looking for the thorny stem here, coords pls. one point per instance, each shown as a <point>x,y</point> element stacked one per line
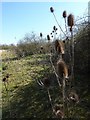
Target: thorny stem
<point>63,95</point>
<point>55,72</point>
<point>65,25</point>
<point>50,99</point>
<point>72,66</point>
<point>59,25</point>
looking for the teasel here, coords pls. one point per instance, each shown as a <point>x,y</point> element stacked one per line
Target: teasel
<point>64,14</point>
<point>54,27</point>
<point>51,9</point>
<point>48,37</point>
<point>70,20</point>
<point>71,24</point>
<point>40,34</point>
<point>51,33</point>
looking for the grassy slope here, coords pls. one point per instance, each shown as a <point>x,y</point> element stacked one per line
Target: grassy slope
<point>25,98</point>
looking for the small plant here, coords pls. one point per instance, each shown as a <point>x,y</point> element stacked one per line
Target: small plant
<point>48,38</point>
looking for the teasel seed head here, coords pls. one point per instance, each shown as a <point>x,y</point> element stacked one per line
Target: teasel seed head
<point>51,9</point>
<point>70,20</point>
<point>51,33</point>
<point>64,14</point>
<point>54,27</point>
<point>40,34</point>
<point>48,37</point>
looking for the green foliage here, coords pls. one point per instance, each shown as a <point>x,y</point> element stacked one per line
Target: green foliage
<point>82,51</point>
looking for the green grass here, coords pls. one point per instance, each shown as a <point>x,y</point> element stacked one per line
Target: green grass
<point>25,98</point>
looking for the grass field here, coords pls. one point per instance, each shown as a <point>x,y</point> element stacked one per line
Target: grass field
<point>25,98</point>
<point>22,97</point>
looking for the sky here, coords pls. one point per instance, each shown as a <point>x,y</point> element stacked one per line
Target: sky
<point>19,18</point>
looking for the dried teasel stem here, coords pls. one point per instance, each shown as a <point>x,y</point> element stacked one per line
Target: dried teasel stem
<point>70,21</point>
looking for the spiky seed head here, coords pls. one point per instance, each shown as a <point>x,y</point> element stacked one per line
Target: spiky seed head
<point>64,14</point>
<point>54,27</point>
<point>48,37</point>
<point>70,20</point>
<point>40,34</point>
<point>51,9</point>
